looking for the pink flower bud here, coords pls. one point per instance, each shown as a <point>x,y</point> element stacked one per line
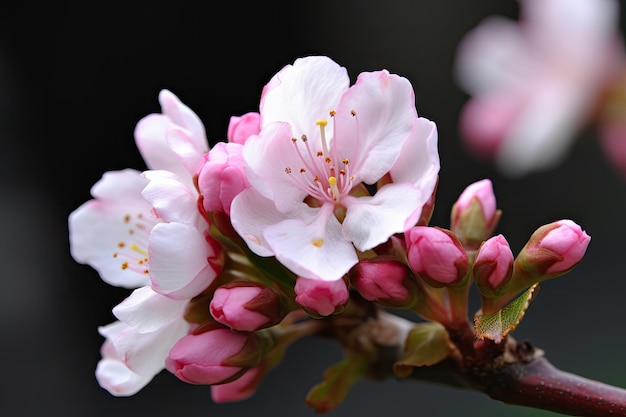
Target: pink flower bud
<point>493,266</point>
<point>239,389</point>
<point>246,306</point>
<point>552,250</point>
<point>319,297</point>
<point>436,255</point>
<point>474,215</point>
<point>200,358</point>
<point>241,128</point>
<point>386,281</point>
<point>222,176</point>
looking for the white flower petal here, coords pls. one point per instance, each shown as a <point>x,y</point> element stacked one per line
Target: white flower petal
<point>147,311</point>
<point>250,214</point>
<point>145,353</point>
<point>184,117</point>
<point>172,199</point>
<point>542,133</point>
<point>303,92</point>
<point>418,163</point>
<point>311,244</point>
<point>114,376</point>
<point>372,140</point>
<point>267,157</point>
<point>370,221</point>
<point>179,256</point>
<point>98,226</point>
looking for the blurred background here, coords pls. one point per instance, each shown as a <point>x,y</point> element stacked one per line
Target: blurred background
<point>76,78</point>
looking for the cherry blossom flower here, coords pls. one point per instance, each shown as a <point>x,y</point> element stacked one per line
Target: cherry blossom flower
<point>146,228</point>
<point>320,140</point>
<point>534,84</point>
<point>144,231</point>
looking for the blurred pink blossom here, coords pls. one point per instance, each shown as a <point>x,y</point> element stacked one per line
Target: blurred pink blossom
<point>535,83</point>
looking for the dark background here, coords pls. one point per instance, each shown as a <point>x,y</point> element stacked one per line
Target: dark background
<point>74,80</point>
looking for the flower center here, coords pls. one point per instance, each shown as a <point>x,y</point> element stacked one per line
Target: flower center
<point>133,253</point>
<point>324,175</point>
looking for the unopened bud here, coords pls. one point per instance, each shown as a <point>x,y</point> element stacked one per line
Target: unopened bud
<point>493,267</point>
<point>386,281</point>
<point>436,255</point>
<point>222,176</point>
<point>474,215</point>
<point>552,250</point>
<point>214,357</point>
<point>246,306</point>
<point>240,128</point>
<point>321,298</point>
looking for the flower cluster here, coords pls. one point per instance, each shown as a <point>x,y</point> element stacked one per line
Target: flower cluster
<point>317,207</point>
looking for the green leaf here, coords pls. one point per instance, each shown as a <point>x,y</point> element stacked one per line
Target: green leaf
<point>338,379</point>
<point>427,344</point>
<point>497,325</point>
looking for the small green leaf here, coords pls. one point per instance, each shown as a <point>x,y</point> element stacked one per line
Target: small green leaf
<point>497,325</point>
<point>427,344</point>
<point>338,379</point>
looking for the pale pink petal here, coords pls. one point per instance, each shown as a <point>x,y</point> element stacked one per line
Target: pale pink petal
<point>418,163</point>
<point>172,200</point>
<point>114,376</point>
<point>240,128</point>
<point>551,26</point>
<point>184,117</point>
<point>145,353</point>
<point>303,92</point>
<point>543,132</point>
<point>250,214</point>
<point>239,389</point>
<point>493,55</point>
<point>147,311</point>
<point>99,226</point>
<point>371,220</point>
<point>179,266</point>
<point>486,120</point>
<point>268,156</point>
<point>111,372</point>
<point>151,139</point>
<point>181,144</point>
<point>311,244</point>
<point>372,139</point>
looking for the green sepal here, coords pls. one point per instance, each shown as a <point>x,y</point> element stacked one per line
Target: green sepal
<point>497,325</point>
<point>426,344</point>
<point>338,379</point>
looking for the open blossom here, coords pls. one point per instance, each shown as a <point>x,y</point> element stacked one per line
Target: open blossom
<point>535,84</point>
<point>146,228</point>
<point>144,231</point>
<point>137,345</point>
<point>320,140</point>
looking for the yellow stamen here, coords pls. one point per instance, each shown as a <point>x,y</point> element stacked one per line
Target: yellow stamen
<point>322,124</point>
